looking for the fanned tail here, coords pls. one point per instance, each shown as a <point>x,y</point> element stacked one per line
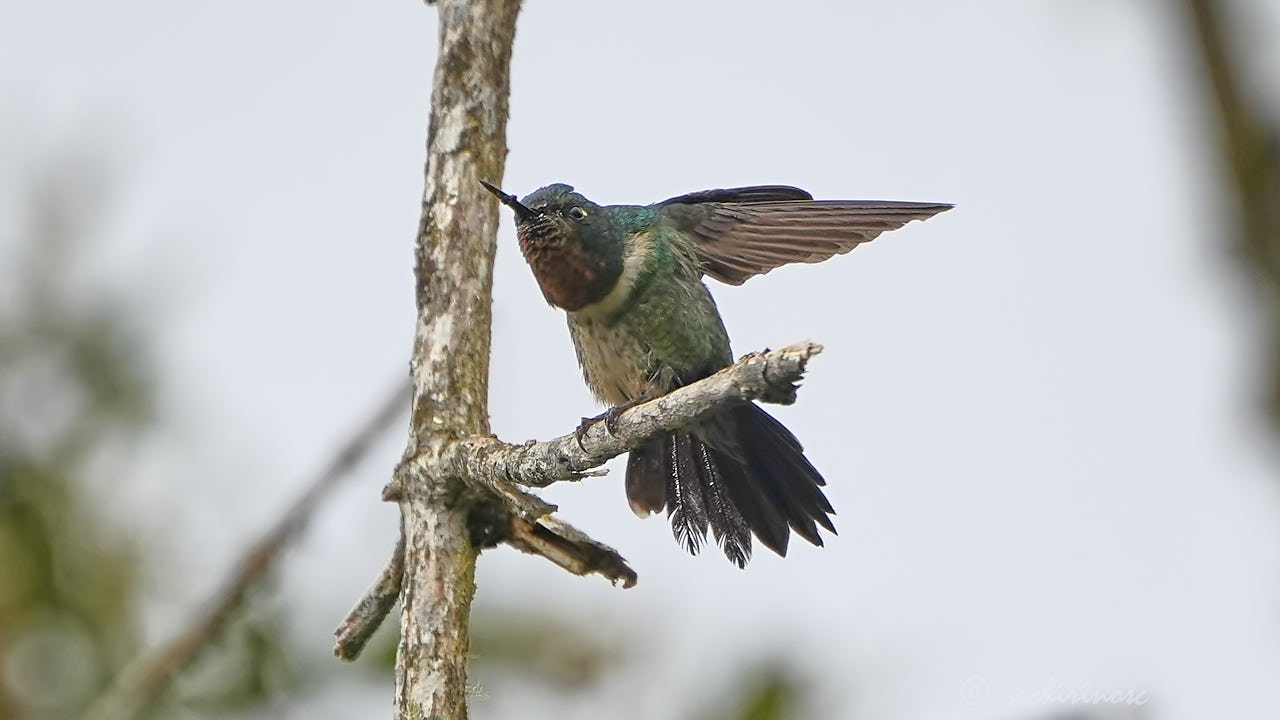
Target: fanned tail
<point>739,472</point>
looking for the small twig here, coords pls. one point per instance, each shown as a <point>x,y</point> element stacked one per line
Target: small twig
<point>570,548</point>
<point>149,675</point>
<point>365,618</point>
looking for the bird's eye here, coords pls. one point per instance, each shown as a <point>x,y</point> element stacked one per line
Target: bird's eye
<point>577,213</point>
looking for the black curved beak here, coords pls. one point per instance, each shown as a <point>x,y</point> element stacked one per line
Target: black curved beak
<point>522,212</point>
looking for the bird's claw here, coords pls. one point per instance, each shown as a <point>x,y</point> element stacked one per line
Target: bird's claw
<point>610,418</point>
<point>586,423</point>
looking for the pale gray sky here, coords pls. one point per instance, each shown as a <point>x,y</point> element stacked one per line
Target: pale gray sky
<point>1036,412</point>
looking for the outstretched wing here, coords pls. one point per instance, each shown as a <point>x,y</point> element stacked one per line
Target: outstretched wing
<point>745,232</point>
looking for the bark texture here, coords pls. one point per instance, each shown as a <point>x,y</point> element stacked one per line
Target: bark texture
<point>770,375</point>
<point>466,141</point>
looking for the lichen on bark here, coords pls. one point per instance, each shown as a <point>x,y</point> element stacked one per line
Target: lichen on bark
<point>466,141</point>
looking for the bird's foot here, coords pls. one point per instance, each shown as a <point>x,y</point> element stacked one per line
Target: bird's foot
<point>582,428</point>
<point>610,418</point>
<point>612,414</point>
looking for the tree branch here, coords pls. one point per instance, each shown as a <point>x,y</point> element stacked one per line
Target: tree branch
<point>569,548</point>
<point>770,375</point>
<point>456,243</point>
<point>508,514</point>
<point>365,618</point>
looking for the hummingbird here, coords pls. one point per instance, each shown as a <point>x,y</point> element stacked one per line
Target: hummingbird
<point>643,323</point>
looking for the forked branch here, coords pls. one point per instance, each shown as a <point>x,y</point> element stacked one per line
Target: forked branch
<point>507,514</point>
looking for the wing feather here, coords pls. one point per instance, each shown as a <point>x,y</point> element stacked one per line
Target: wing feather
<point>738,240</point>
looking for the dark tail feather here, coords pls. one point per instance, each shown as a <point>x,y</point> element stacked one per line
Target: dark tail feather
<point>760,511</point>
<point>684,492</point>
<point>647,478</point>
<point>775,487</point>
<point>679,472</point>
<point>796,483</point>
<point>739,472</point>
<point>727,524</point>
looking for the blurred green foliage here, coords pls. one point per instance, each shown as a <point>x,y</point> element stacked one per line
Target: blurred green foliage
<point>76,396</point>
<point>555,651</point>
<point>72,385</point>
<point>771,691</point>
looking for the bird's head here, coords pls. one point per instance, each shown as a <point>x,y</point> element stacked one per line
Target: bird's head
<point>571,244</point>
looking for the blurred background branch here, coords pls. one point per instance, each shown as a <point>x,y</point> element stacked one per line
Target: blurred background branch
<point>77,395</point>
<point>1249,143</point>
<point>150,675</point>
